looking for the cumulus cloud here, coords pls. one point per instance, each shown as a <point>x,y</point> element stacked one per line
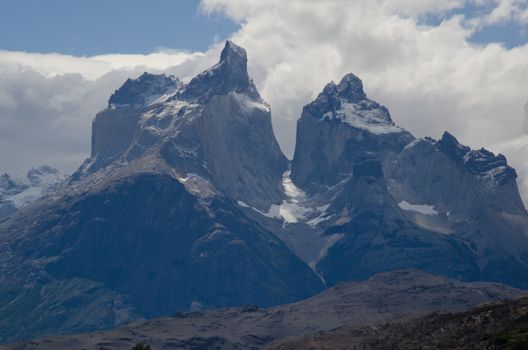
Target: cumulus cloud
<point>48,101</point>
<point>507,11</point>
<point>46,120</point>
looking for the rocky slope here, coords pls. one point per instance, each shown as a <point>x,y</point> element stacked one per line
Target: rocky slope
<point>386,297</point>
<point>499,325</point>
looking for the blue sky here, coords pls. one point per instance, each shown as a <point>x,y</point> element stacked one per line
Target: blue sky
<point>509,33</point>
<point>139,26</point>
<point>108,26</point>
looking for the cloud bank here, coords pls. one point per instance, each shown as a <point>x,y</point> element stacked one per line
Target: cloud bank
<point>48,101</point>
<point>426,71</point>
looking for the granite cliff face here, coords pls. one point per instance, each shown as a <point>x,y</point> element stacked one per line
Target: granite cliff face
<point>187,202</point>
<point>217,126</point>
<point>340,124</point>
<point>114,128</point>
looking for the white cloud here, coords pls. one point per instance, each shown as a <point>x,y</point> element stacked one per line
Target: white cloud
<point>508,10</point>
<point>93,67</point>
<point>48,101</point>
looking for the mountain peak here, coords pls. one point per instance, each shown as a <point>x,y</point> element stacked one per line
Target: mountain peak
<point>230,74</point>
<point>351,88</point>
<point>347,102</point>
<point>233,53</point>
<point>479,162</point>
<point>143,90</point>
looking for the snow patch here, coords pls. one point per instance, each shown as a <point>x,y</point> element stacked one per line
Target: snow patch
<point>290,210</point>
<point>243,205</point>
<point>366,115</point>
<point>419,208</point>
<point>294,209</point>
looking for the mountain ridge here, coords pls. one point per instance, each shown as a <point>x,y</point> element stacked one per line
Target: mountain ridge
<point>188,194</point>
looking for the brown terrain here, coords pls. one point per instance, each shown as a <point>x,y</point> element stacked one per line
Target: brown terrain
<point>388,297</point>
<point>497,325</point>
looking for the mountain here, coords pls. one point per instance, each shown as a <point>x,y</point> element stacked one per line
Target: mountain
<point>216,126</point>
<point>387,297</point>
<point>187,202</point>
<point>396,201</point>
<point>17,192</point>
<point>148,224</point>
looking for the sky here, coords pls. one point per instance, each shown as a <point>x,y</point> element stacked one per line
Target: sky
<point>456,65</point>
<point>97,27</point>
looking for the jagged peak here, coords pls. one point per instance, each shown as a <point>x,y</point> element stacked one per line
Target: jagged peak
<point>351,88</point>
<point>230,74</point>
<point>450,146</point>
<point>233,53</point>
<point>479,162</point>
<point>330,89</point>
<point>348,103</point>
<point>143,90</point>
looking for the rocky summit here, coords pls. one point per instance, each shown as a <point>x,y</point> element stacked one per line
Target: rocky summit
<point>187,203</point>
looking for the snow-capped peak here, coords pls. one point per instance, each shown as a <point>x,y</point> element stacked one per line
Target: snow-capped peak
<point>228,75</point>
<point>144,90</point>
<point>351,88</point>
<point>232,51</point>
<point>348,103</point>
<point>480,162</point>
